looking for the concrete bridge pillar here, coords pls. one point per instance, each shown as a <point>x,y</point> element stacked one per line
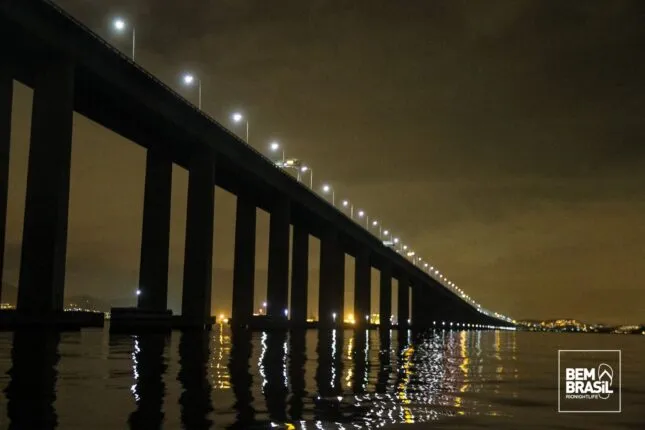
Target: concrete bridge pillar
<point>6,100</point>
<point>420,305</point>
<point>244,260</point>
<point>198,255</point>
<point>155,234</point>
<point>44,239</point>
<point>362,287</point>
<point>332,275</point>
<point>403,313</point>
<point>299,274</point>
<point>278,275</point>
<point>385,296</point>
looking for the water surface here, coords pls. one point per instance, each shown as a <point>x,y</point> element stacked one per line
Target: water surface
<point>316,379</point>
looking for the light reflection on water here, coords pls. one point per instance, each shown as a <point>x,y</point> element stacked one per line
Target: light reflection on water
<point>331,379</point>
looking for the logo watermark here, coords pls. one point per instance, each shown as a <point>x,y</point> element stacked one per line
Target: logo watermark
<point>589,381</point>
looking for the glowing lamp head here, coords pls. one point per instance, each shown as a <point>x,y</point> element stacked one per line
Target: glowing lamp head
<point>274,145</point>
<point>396,240</point>
<point>237,117</point>
<point>361,214</point>
<point>119,24</point>
<point>138,292</point>
<point>326,188</point>
<point>304,169</point>
<point>374,222</point>
<point>189,79</point>
<point>345,203</point>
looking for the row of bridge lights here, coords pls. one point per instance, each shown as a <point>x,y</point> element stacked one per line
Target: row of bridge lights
<point>385,235</point>
<point>470,325</point>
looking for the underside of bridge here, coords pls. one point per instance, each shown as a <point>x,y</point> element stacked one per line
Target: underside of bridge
<point>71,69</point>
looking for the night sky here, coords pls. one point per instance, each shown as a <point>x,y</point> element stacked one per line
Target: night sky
<point>504,141</point>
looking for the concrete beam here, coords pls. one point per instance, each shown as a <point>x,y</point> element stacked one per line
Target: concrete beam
<point>403,313</point>
<point>299,274</point>
<point>385,296</point>
<point>6,101</point>
<point>198,255</point>
<point>244,261</point>
<point>278,273</point>
<point>155,233</point>
<point>44,239</point>
<point>362,287</point>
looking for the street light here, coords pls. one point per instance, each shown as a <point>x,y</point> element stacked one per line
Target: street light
<point>238,117</point>
<point>327,189</point>
<point>189,80</point>
<point>275,147</point>
<point>361,214</point>
<point>333,315</point>
<point>347,203</point>
<point>120,25</point>
<point>380,231</point>
<point>305,169</point>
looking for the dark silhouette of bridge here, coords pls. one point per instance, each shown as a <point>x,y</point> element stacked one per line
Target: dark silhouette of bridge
<point>72,69</point>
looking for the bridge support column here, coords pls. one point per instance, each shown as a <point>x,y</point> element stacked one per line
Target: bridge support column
<point>403,313</point>
<point>6,101</point>
<point>155,234</point>
<point>244,261</point>
<point>385,296</point>
<point>331,285</point>
<point>420,309</point>
<point>198,255</point>
<point>278,275</point>
<point>299,274</point>
<point>44,239</point>
<point>362,287</point>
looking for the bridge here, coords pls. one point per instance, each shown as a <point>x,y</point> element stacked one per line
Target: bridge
<point>71,69</point>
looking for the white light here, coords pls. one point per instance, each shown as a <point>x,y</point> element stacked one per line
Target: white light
<point>189,79</point>
<point>119,24</point>
<point>409,320</point>
<point>361,214</point>
<point>237,117</point>
<point>345,203</point>
<point>138,292</point>
<point>333,315</point>
<point>396,240</point>
<point>405,246</point>
<point>304,168</point>
<point>386,232</point>
<point>264,304</point>
<point>425,264</point>
<point>326,188</point>
<point>286,312</point>
<point>274,146</point>
<point>374,222</point>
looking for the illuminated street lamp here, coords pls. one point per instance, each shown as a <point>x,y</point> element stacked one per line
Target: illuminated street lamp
<point>347,203</point>
<point>119,26</point>
<point>305,169</point>
<point>361,214</point>
<point>237,118</point>
<point>328,189</point>
<point>333,316</point>
<point>189,80</point>
<point>275,147</point>
<point>380,231</point>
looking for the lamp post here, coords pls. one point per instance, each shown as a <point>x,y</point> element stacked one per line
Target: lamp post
<point>328,189</point>
<point>238,117</point>
<point>305,169</point>
<point>275,146</point>
<point>361,214</point>
<point>347,203</point>
<point>120,25</point>
<point>376,223</point>
<point>189,79</point>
